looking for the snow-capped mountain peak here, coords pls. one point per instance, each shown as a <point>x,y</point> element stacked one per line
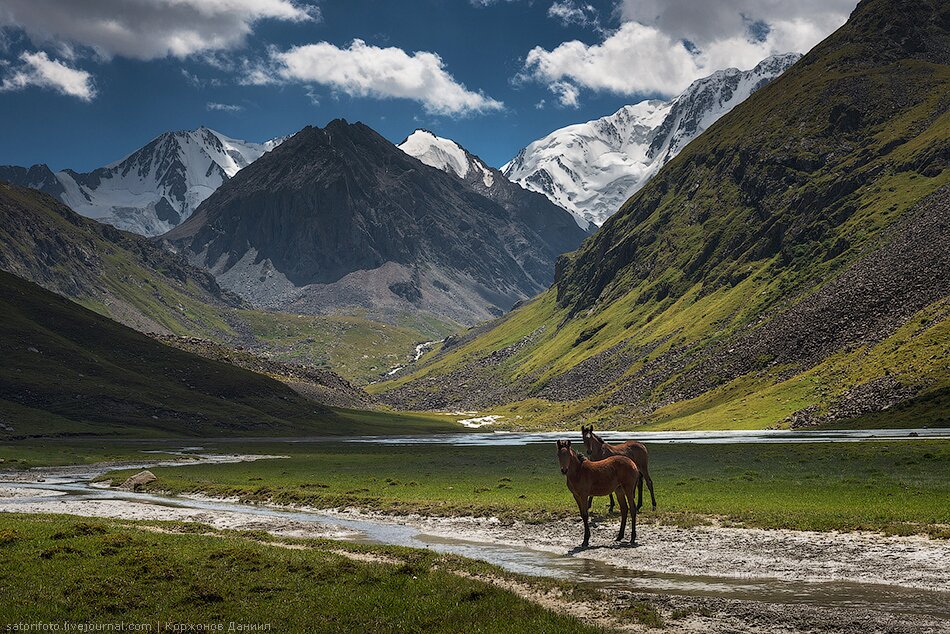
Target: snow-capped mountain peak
<point>450,157</point>
<point>446,155</point>
<point>591,168</point>
<point>156,187</point>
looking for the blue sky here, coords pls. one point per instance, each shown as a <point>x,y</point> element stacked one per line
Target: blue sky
<point>84,82</point>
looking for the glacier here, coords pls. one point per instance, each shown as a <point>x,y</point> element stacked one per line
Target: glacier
<point>590,169</point>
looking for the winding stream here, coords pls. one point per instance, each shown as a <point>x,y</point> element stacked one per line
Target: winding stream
<point>61,487</point>
<point>728,437</point>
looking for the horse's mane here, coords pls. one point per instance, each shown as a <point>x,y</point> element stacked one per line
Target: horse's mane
<point>581,457</point>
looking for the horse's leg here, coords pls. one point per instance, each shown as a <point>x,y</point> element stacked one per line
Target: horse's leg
<point>640,493</point>
<point>590,502</point>
<point>582,505</point>
<point>622,498</point>
<point>611,509</point>
<point>646,474</point>
<point>628,490</point>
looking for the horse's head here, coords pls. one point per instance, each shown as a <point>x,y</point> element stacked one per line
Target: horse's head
<point>564,454</point>
<point>587,431</point>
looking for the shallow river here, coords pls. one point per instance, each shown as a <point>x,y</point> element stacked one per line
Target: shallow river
<point>70,492</point>
<point>497,438</point>
<point>667,437</point>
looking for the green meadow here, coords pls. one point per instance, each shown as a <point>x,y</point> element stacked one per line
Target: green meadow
<point>899,487</point>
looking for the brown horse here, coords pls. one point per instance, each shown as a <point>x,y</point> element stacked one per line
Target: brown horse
<point>586,478</point>
<point>632,449</point>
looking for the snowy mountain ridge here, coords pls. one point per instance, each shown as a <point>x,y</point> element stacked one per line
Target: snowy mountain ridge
<point>446,155</point>
<point>590,169</point>
<point>154,188</point>
<point>450,157</point>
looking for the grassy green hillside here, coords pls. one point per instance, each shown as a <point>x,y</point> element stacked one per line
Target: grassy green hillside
<point>789,267</point>
<point>136,282</point>
<point>118,274</point>
<point>69,371</point>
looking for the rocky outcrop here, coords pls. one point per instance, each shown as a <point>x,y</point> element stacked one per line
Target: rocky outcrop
<point>867,398</point>
<point>473,385</point>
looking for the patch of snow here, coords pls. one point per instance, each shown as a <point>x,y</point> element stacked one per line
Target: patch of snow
<point>481,421</point>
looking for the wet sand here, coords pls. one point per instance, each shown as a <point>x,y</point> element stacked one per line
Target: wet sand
<point>742,553</point>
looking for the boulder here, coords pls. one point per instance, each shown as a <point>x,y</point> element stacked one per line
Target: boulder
<point>138,481</point>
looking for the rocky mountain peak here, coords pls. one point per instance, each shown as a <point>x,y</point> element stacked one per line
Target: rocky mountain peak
<point>338,218</point>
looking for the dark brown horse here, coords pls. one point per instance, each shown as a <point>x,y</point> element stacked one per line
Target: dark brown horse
<point>586,478</point>
<point>598,450</point>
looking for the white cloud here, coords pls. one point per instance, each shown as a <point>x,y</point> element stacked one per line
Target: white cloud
<point>715,20</point>
<point>368,71</point>
<point>146,29</point>
<point>567,93</point>
<point>570,12</point>
<point>663,45</point>
<point>224,107</point>
<point>37,69</point>
<point>191,78</point>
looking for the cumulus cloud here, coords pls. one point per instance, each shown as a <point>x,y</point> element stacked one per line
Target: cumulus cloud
<point>146,29</point>
<point>363,70</point>
<point>567,93</point>
<point>661,46</point>
<point>37,69</point>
